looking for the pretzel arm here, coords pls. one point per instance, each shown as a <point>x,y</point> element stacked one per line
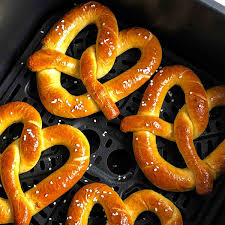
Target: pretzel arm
<point>52,59</point>
<point>183,130</point>
<point>94,87</point>
<point>21,208</point>
<point>160,172</point>
<point>146,123</point>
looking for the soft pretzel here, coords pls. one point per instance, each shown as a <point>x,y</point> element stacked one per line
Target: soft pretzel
<point>189,123</point>
<point>96,61</point>
<point>23,154</point>
<point>118,211</point>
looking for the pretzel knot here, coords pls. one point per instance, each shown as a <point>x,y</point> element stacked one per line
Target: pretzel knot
<point>23,154</point>
<point>118,211</point>
<point>189,123</point>
<point>95,62</point>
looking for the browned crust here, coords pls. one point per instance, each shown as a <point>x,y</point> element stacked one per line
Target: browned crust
<point>98,92</point>
<point>50,61</point>
<point>23,154</point>
<point>190,122</point>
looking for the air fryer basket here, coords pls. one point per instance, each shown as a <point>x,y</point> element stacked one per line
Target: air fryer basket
<point>112,160</point>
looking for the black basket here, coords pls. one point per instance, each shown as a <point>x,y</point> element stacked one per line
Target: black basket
<point>112,160</point>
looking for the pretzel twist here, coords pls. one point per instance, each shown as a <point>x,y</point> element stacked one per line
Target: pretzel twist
<point>96,61</point>
<point>23,154</point>
<point>118,211</point>
<point>189,123</point>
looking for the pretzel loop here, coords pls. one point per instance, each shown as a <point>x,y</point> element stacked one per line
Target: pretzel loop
<point>189,123</point>
<point>118,211</point>
<point>20,206</point>
<point>95,62</point>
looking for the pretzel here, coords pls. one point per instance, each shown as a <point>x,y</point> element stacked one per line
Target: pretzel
<point>23,154</point>
<point>189,123</point>
<point>118,211</point>
<point>95,62</point>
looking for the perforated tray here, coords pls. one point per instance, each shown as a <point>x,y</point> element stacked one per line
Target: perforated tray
<point>112,161</point>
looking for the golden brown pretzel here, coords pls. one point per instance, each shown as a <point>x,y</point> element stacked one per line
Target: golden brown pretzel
<point>118,211</point>
<point>190,122</point>
<point>23,154</point>
<point>95,62</point>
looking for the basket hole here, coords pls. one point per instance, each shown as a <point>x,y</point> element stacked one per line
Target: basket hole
<point>108,143</point>
<point>130,57</point>
<point>53,162</point>
<point>167,98</point>
<point>136,100</point>
<point>91,177</point>
<point>25,99</point>
<point>78,40</point>
<point>82,41</point>
<point>219,125</point>
<point>12,133</point>
<point>42,165</point>
<point>130,109</point>
<point>166,116</point>
<point>176,196</point>
<point>114,124</point>
<point>51,205</point>
<point>43,214</point>
<point>2,191</point>
<point>170,152</point>
<point>97,215</point>
<point>186,202</point>
<point>117,162</point>
<point>93,139</point>
<point>72,85</point>
<point>120,116</point>
<point>112,70</point>
<point>147,218</point>
<point>34,222</point>
<point>51,119</point>
<point>210,144</point>
<point>216,113</point>
<point>208,130</point>
<point>198,147</point>
<point>165,154</point>
<point>116,188</point>
<point>174,100</point>
<point>24,186</point>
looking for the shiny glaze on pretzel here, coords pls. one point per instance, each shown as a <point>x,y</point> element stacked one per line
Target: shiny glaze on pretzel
<point>118,211</point>
<point>189,123</point>
<point>96,61</point>
<point>23,154</point>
